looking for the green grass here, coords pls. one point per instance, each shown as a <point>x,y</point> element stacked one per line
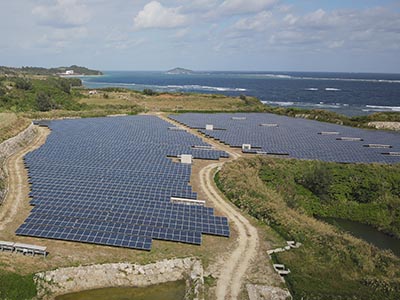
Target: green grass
<point>330,264</point>
<point>366,193</point>
<point>16,287</point>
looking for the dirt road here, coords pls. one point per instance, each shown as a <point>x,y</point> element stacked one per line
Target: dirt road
<point>235,265</point>
<point>15,169</point>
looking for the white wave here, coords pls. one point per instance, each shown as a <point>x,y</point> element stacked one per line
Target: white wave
<point>283,76</point>
<point>307,104</point>
<point>202,87</point>
<point>110,83</point>
<point>280,103</point>
<point>279,76</point>
<point>332,89</point>
<point>383,108</point>
<point>175,87</point>
<point>311,89</point>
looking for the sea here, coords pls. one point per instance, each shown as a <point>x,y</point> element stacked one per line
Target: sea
<point>351,94</point>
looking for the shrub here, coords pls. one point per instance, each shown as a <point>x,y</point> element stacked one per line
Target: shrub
<point>23,84</point>
<point>44,102</point>
<point>149,92</point>
<point>318,180</point>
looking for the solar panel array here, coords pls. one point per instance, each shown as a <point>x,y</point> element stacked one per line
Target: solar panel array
<point>110,181</point>
<point>297,137</point>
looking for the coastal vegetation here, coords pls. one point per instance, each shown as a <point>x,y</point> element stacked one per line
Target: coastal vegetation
<point>330,264</point>
<point>21,94</point>
<point>46,71</point>
<point>366,193</point>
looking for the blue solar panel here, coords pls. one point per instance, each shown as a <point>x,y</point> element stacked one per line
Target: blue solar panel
<point>109,181</point>
<point>296,137</point>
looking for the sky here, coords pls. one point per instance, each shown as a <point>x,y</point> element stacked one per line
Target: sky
<point>252,35</point>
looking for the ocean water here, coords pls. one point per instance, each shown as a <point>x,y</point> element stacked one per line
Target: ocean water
<point>345,93</point>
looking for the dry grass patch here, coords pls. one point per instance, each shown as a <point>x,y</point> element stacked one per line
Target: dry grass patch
<point>171,102</point>
<point>11,125</point>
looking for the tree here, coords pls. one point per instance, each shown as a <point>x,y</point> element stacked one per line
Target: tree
<point>149,92</point>
<point>65,85</point>
<point>75,81</point>
<point>318,180</point>
<point>2,91</point>
<point>44,102</point>
<point>23,84</point>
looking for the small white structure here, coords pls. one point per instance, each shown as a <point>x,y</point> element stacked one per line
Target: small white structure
<point>328,132</point>
<point>176,128</point>
<point>23,248</point>
<point>238,118</point>
<point>188,201</point>
<point>281,269</point>
<point>186,158</point>
<point>246,146</point>
<point>378,146</point>
<point>392,153</point>
<point>69,72</point>
<point>269,125</point>
<point>350,139</point>
<point>6,246</point>
<point>94,92</point>
<point>201,147</point>
<point>209,127</point>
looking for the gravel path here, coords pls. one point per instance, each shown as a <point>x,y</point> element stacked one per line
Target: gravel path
<point>14,168</point>
<point>237,262</point>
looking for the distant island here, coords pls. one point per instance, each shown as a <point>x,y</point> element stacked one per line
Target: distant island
<point>64,71</point>
<point>179,71</point>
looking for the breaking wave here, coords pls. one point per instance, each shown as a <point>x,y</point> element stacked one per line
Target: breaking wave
<point>202,87</point>
<point>380,108</point>
<point>307,104</point>
<point>285,76</point>
<point>192,87</point>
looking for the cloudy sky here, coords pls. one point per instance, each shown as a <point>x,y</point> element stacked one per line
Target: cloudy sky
<point>281,35</point>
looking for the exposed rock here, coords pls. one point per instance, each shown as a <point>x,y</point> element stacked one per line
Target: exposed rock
<point>385,125</point>
<point>264,292</point>
<point>13,145</point>
<point>73,279</point>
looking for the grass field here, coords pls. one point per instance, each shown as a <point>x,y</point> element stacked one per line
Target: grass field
<point>330,264</point>
<point>11,125</point>
<point>171,102</point>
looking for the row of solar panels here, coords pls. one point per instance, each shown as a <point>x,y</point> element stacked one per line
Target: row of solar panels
<point>110,181</point>
<point>296,137</point>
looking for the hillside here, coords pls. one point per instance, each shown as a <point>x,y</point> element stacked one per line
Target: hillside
<point>44,71</point>
<point>180,71</point>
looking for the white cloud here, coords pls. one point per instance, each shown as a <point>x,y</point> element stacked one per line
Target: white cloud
<point>181,33</point>
<point>245,6</point>
<point>259,22</point>
<point>155,15</point>
<point>349,30</point>
<point>198,6</point>
<point>63,13</point>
